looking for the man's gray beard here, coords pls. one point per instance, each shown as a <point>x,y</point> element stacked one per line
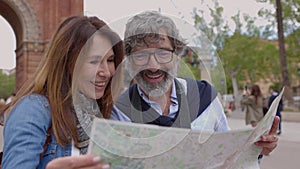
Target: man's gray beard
<point>154,89</point>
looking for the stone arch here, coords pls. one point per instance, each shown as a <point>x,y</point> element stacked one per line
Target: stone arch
<point>27,18</point>
<point>33,22</point>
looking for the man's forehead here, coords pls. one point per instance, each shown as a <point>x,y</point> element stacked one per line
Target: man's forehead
<point>160,42</point>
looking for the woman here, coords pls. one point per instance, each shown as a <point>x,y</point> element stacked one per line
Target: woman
<point>77,68</point>
<point>253,102</point>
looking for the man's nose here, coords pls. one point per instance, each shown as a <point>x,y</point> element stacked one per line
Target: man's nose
<point>152,61</point>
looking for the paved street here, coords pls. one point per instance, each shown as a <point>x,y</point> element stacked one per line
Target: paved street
<point>286,155</point>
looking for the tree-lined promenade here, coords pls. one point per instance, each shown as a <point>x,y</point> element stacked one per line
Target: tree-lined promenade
<point>249,53</point>
<point>268,54</point>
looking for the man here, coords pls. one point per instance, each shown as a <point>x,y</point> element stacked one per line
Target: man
<point>153,47</point>
<point>274,94</point>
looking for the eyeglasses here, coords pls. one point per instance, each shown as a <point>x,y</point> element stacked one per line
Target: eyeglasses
<point>161,56</point>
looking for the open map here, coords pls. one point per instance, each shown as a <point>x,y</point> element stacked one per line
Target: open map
<point>141,146</point>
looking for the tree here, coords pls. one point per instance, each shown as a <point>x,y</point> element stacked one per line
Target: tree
<point>282,53</point>
<point>244,58</point>
<point>248,56</point>
<point>293,53</point>
<point>7,85</point>
<point>215,31</point>
<point>286,19</point>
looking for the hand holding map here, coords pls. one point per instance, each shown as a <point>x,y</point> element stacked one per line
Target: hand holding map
<point>130,146</point>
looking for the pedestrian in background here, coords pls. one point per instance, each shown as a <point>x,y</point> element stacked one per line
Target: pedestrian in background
<point>266,103</point>
<point>274,94</point>
<point>10,98</point>
<point>2,104</point>
<point>252,101</point>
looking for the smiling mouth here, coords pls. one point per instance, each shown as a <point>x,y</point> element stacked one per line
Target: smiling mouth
<point>158,75</point>
<point>154,76</point>
<point>99,84</point>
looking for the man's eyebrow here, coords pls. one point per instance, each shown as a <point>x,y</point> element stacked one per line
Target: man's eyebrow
<point>147,49</point>
<point>162,38</point>
<point>164,48</point>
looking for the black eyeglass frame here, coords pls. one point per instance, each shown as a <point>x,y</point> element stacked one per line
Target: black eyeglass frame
<point>155,56</point>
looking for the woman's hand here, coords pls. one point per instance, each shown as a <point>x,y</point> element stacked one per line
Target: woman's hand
<point>245,92</point>
<point>78,162</point>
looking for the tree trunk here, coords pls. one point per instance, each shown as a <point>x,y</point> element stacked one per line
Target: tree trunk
<point>284,70</point>
<point>235,90</point>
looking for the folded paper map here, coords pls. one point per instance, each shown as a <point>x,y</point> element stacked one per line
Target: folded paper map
<point>142,146</point>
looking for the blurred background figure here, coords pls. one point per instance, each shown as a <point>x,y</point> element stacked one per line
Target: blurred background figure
<point>10,98</point>
<point>2,104</point>
<point>265,105</point>
<point>252,102</point>
<point>274,94</point>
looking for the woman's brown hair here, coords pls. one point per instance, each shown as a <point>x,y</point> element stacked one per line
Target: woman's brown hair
<point>256,92</point>
<point>54,75</point>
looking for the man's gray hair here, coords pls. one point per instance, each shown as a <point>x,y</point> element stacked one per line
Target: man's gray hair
<point>145,26</point>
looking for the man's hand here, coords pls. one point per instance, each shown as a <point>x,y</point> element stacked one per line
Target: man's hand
<point>269,142</point>
<point>78,162</point>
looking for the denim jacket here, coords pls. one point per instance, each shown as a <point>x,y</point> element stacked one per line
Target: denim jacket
<point>25,135</point>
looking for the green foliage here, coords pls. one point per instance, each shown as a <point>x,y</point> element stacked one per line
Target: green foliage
<point>195,70</point>
<point>290,13</point>
<point>276,86</point>
<point>293,53</point>
<point>217,29</point>
<point>293,43</point>
<point>7,85</point>
<point>248,56</point>
<point>251,55</point>
<point>188,70</point>
<point>219,80</point>
<point>290,20</point>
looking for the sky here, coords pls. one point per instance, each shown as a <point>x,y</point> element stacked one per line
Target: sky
<point>116,12</point>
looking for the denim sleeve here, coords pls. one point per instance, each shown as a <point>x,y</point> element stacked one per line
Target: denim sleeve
<point>25,132</point>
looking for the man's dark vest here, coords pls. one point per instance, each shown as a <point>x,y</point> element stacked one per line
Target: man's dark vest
<point>199,96</point>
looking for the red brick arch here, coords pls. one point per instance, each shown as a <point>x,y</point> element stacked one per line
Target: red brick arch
<point>33,22</point>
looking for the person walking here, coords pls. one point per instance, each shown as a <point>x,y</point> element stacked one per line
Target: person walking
<point>253,103</point>
<point>274,94</point>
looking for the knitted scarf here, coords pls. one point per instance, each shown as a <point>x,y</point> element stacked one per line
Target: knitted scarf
<point>86,110</point>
